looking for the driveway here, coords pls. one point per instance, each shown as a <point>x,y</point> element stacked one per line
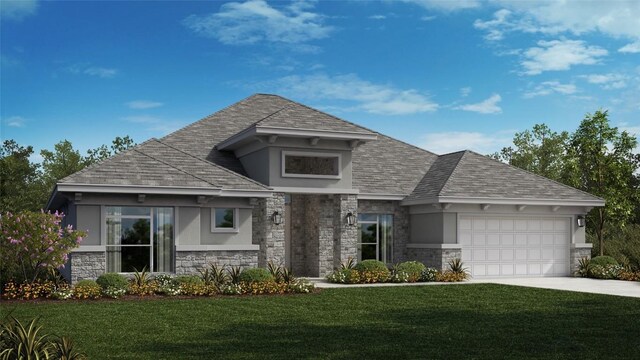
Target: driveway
<point>607,287</point>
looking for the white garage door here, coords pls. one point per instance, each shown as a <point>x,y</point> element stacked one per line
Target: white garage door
<point>497,246</point>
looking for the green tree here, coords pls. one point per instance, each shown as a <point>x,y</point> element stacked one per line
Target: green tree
<point>540,151</point>
<point>605,166</point>
<point>60,163</point>
<point>20,184</point>
<point>119,144</point>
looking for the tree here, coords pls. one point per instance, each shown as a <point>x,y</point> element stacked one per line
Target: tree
<point>119,144</point>
<point>605,166</point>
<point>540,151</point>
<point>20,184</point>
<point>61,162</point>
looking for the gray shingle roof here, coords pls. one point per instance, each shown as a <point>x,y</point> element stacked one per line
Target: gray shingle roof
<point>468,174</point>
<point>154,163</point>
<point>383,166</point>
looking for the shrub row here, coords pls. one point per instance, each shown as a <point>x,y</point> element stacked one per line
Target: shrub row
<point>211,281</point>
<point>373,271</point>
<point>606,267</point>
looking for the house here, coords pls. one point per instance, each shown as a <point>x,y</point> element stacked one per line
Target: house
<point>269,179</point>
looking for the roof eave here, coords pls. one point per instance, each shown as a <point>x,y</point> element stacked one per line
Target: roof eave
<point>504,201</point>
<point>160,190</point>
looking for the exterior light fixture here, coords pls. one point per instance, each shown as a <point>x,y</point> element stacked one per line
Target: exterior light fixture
<point>581,221</point>
<point>351,219</point>
<point>276,217</point>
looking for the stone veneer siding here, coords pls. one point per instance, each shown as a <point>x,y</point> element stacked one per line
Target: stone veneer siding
<point>434,258</point>
<point>577,254</point>
<point>400,223</point>
<point>87,265</point>
<point>269,236</point>
<point>189,262</point>
<point>320,236</point>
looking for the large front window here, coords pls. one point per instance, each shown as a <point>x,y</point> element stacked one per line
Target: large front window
<point>375,237</point>
<point>138,238</point>
<point>311,165</point>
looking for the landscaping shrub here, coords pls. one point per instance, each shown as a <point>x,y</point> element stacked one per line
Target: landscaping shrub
<point>629,275</point>
<point>344,276</point>
<point>623,244</point>
<point>264,287</point>
<point>372,271</point>
<point>412,268</point>
<point>456,272</point>
<point>604,271</point>
<point>583,267</point>
<point>251,275</point>
<point>429,274</point>
<point>300,286</point>
<point>142,284</point>
<point>214,275</point>
<point>193,285</point>
<point>26,341</point>
<point>399,276</point>
<point>30,290</point>
<point>233,274</point>
<point>32,243</point>
<point>87,289</point>
<point>167,285</point>
<point>113,281</point>
<point>603,260</point>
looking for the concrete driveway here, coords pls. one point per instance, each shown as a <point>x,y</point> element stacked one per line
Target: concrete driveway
<point>607,287</point>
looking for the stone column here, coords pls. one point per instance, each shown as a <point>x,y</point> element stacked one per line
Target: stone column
<point>577,252</point>
<point>345,237</point>
<point>326,230</point>
<point>269,236</point>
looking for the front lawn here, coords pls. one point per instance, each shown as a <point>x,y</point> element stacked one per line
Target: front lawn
<point>482,321</point>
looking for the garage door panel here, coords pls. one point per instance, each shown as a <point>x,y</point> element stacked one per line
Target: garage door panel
<point>494,246</point>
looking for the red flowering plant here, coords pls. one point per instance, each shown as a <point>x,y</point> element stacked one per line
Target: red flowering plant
<point>33,243</point>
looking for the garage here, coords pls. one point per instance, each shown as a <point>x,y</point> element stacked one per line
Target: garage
<point>503,246</point>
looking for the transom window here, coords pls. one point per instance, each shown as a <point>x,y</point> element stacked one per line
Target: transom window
<point>375,237</point>
<point>311,164</point>
<point>224,220</point>
<point>138,238</point>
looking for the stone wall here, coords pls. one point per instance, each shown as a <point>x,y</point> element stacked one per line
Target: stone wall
<point>269,236</point>
<point>345,237</point>
<point>575,255</point>
<point>434,258</point>
<point>188,262</point>
<point>401,230</point>
<point>87,265</point>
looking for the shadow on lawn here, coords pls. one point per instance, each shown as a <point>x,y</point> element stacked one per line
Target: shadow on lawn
<point>564,331</point>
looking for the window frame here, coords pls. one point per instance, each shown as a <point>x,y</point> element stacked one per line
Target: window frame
<point>236,217</point>
<point>283,164</point>
<point>379,245</point>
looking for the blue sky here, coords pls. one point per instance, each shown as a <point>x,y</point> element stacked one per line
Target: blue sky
<point>443,75</point>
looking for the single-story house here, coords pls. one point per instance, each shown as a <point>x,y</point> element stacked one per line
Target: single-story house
<point>269,179</point>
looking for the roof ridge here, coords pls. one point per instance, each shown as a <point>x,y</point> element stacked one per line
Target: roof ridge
<point>174,167</point>
<point>354,124</point>
<point>210,115</point>
<point>214,165</point>
<point>444,183</point>
<point>534,174</point>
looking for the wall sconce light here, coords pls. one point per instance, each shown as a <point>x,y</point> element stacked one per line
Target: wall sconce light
<point>581,221</point>
<point>276,218</point>
<point>351,219</point>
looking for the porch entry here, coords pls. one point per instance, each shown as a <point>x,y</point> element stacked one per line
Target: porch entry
<point>375,237</point>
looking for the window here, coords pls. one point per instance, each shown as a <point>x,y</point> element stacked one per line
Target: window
<point>224,220</point>
<point>138,238</point>
<point>311,165</point>
<point>375,237</point>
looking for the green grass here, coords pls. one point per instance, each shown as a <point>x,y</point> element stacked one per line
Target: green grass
<point>481,321</point>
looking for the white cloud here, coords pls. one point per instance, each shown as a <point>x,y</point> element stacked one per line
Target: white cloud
<point>607,81</point>
<point>550,87</point>
<point>632,48</point>
<point>428,18</point>
<point>143,104</point>
<point>557,55</point>
<point>377,17</point>
<point>618,18</point>
<point>488,106</point>
<point>256,21</point>
<point>450,141</point>
<point>445,5</point>
<point>87,69</point>
<point>15,121</point>
<point>370,97</point>
<point>465,91</point>
<point>17,10</point>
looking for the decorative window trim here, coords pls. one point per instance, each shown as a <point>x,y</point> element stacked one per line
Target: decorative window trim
<point>236,217</point>
<point>311,154</point>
